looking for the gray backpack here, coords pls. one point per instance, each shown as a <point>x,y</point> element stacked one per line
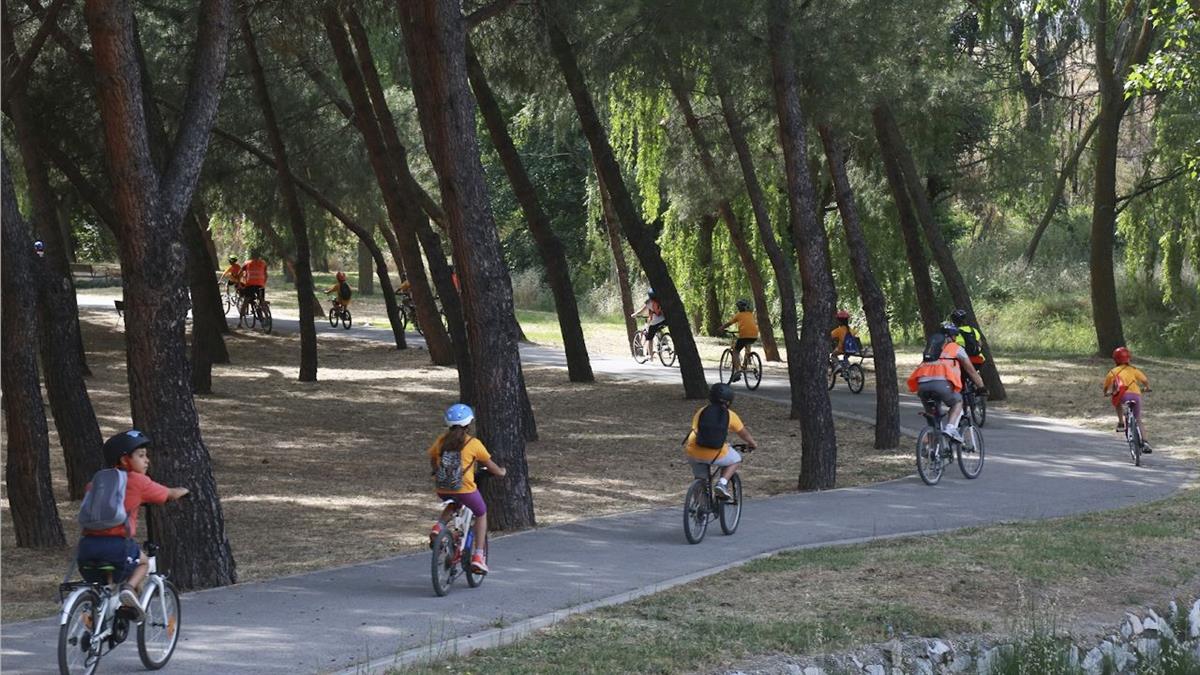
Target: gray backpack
<point>104,505</point>
<point>449,472</point>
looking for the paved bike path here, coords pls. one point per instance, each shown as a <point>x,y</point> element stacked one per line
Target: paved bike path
<point>333,619</point>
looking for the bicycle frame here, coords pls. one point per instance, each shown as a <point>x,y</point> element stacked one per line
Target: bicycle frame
<point>462,521</point>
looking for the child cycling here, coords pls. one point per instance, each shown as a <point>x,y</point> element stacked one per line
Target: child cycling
<point>940,373</point>
<point>233,273</point>
<point>341,290</point>
<point>457,442</point>
<point>655,319</point>
<point>706,442</point>
<point>116,545</point>
<point>1125,384</point>
<point>838,337</point>
<point>747,334</point>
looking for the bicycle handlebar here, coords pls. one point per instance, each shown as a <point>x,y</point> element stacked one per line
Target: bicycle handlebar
<point>741,447</point>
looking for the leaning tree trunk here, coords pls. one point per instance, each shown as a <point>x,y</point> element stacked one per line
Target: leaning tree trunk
<point>291,201</point>
<point>366,282</point>
<point>766,233</point>
<point>150,210</point>
<point>910,231</point>
<point>612,230</point>
<point>710,310</point>
<point>60,337</point>
<point>736,233</point>
<point>554,257</point>
<point>435,43</point>
<point>941,251</point>
<point>818,460</point>
<point>27,471</point>
<point>887,396</point>
<point>639,235</point>
<point>1060,186</point>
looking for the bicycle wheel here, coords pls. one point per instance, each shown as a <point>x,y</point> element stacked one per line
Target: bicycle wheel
<point>228,301</point>
<point>752,375</point>
<point>1133,436</point>
<point>473,579</point>
<point>442,563</point>
<point>333,317</point>
<point>264,316</point>
<point>855,378</point>
<point>666,350</point>
<point>159,633</point>
<point>725,370</point>
<point>971,451</point>
<point>695,512</point>
<point>830,377</point>
<point>75,648</point>
<point>245,316</point>
<point>347,319</point>
<point>929,455</point>
<point>639,347</point>
<point>731,512</point>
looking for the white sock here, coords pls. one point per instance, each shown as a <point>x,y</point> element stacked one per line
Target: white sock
<point>722,481</point>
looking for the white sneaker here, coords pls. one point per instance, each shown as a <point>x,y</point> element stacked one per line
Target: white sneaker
<point>129,599</point>
<point>953,433</point>
<point>722,490</point>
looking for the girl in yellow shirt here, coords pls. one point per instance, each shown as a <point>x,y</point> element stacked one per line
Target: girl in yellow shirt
<point>1125,384</point>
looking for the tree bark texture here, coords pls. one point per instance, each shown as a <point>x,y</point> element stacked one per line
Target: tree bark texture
<point>788,319</point>
<point>818,460</point>
<point>291,201</point>
<point>149,210</point>
<point>612,230</point>
<point>402,214</point>
<point>554,257</point>
<point>941,251</point>
<point>887,396</point>
<point>910,231</point>
<point>736,233</point>
<point>435,43</point>
<point>640,236</point>
<point>27,471</point>
<point>709,312</point>
<point>366,282</point>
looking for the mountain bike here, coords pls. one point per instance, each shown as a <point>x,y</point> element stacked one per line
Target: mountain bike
<point>852,373</point>
<point>701,506</point>
<point>93,621</point>
<point>662,346</point>
<point>751,368</point>
<point>230,297</point>
<point>935,449</point>
<point>452,551</point>
<point>340,312</point>
<point>254,312</point>
<point>974,403</point>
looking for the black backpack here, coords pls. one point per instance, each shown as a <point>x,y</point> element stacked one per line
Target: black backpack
<point>971,341</point>
<point>344,291</point>
<point>933,347</point>
<point>712,426</point>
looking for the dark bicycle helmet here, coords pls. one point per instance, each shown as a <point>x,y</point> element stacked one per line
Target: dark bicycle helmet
<point>949,329</point>
<point>743,305</point>
<point>232,259</point>
<point>123,444</point>
<point>39,246</point>
<point>720,393</point>
<point>650,294</point>
<point>959,316</point>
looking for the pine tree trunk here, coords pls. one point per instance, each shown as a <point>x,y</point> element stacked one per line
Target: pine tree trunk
<point>366,282</point>
<point>393,245</point>
<point>554,257</point>
<point>640,236</point>
<point>710,311</point>
<point>27,471</point>
<point>766,233</point>
<point>150,211</point>
<point>1106,314</point>
<point>435,43</point>
<point>303,270</point>
<point>402,213</point>
<point>818,460</point>
<point>60,338</point>
<point>887,397</point>
<point>909,229</point>
<point>612,229</point>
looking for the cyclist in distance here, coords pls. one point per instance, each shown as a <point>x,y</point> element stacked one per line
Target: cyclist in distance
<point>940,373</point>
<point>837,337</point>
<point>747,334</point>
<point>1125,383</point>
<point>126,452</point>
<point>341,290</point>
<point>233,273</point>
<point>969,337</point>
<point>448,474</point>
<point>655,319</point>
<point>706,442</point>
<point>254,277</point>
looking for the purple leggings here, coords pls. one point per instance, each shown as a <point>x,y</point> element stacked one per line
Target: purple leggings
<point>471,500</point>
<point>1136,401</point>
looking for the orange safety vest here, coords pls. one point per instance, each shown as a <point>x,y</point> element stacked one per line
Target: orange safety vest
<point>946,367</point>
<point>256,272</point>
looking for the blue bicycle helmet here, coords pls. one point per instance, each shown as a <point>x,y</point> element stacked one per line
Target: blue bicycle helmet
<point>459,415</point>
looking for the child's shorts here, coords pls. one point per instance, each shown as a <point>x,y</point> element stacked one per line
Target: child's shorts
<point>123,554</point>
<point>471,500</point>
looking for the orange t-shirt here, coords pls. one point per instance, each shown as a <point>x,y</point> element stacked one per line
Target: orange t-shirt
<point>139,489</point>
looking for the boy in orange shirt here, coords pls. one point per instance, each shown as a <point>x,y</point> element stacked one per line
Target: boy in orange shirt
<point>747,335</point>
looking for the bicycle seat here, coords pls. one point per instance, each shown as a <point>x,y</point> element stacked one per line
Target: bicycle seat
<point>931,400</point>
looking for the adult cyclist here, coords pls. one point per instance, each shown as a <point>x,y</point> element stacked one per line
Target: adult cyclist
<point>941,373</point>
<point>254,278</point>
<point>969,337</point>
<point>655,319</point>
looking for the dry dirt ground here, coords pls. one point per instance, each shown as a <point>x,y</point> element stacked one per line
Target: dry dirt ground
<point>316,475</point>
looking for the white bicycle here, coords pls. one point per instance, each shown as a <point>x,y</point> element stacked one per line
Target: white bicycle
<point>93,621</point>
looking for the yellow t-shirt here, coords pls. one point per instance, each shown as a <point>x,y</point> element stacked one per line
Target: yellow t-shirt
<point>747,326</point>
<point>1130,376</point>
<point>334,290</point>
<point>473,452</point>
<point>838,336</point>
<point>706,454</point>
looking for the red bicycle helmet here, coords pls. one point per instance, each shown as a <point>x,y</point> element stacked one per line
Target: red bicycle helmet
<point>1121,356</point>
<point>842,314</point>
<point>341,276</point>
